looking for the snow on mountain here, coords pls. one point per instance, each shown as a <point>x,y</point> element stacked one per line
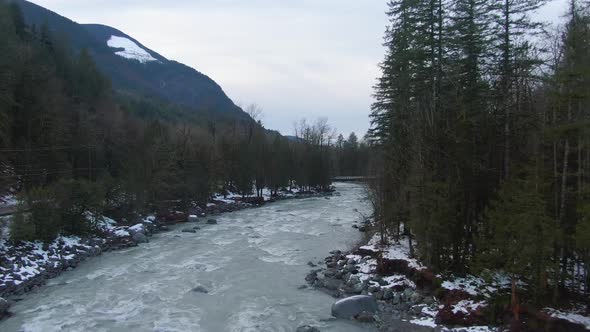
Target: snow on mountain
<point>130,49</point>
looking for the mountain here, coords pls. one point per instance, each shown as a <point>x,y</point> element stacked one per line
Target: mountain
<point>134,68</point>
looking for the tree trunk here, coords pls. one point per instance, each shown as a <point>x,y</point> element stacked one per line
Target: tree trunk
<point>563,195</point>
<point>410,243</point>
<point>514,301</point>
<point>506,82</point>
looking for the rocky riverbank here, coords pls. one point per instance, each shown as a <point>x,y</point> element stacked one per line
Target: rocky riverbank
<point>352,274</point>
<point>26,266</point>
<point>409,294</point>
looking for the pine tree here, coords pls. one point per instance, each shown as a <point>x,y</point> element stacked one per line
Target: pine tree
<point>513,23</point>
<point>518,235</point>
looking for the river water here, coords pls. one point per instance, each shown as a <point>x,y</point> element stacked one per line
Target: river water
<point>252,263</point>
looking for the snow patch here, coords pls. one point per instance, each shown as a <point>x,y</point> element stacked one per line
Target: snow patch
<point>470,284</point>
<point>121,233</point>
<point>570,317</point>
<point>399,280</point>
<point>137,228</point>
<point>467,306</point>
<point>149,219</point>
<point>395,251</point>
<point>428,321</point>
<point>8,200</point>
<point>471,329</point>
<point>130,50</point>
<point>35,257</point>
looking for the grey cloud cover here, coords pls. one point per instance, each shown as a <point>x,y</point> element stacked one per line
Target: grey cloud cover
<point>306,58</point>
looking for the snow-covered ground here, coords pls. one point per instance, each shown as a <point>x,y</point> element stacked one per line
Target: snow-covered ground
<point>232,197</point>
<point>27,260</point>
<point>228,198</point>
<point>8,200</point>
<point>130,49</point>
<point>575,316</point>
<point>395,250</point>
<point>478,290</point>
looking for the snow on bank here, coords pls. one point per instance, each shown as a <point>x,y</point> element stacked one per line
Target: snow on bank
<point>130,50</point>
<point>232,197</point>
<point>570,316</point>
<point>25,265</point>
<point>478,287</point>
<point>429,322</point>
<point>472,329</point>
<point>470,284</point>
<point>426,321</point>
<point>396,251</point>
<point>467,306</point>
<point>22,262</point>
<point>8,200</point>
<point>121,233</point>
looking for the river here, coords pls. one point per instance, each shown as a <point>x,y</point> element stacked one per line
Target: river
<point>252,263</point>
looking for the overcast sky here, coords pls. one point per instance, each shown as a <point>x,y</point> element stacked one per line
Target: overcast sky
<point>295,58</point>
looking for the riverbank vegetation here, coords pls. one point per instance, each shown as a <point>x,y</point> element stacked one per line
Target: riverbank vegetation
<point>480,143</point>
<point>71,145</point>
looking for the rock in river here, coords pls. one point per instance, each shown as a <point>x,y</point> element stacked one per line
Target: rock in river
<point>350,307</point>
<point>189,230</point>
<point>4,305</point>
<point>200,289</point>
<point>307,328</point>
<point>212,221</point>
<point>140,237</point>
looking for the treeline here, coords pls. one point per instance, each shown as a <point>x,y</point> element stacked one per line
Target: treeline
<point>481,140</point>
<point>351,156</point>
<point>71,145</point>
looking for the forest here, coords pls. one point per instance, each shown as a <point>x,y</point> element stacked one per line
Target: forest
<point>70,144</point>
<point>480,141</point>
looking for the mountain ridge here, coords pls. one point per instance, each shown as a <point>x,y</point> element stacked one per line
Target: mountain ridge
<point>165,79</point>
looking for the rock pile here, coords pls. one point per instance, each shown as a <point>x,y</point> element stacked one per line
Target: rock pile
<point>351,277</point>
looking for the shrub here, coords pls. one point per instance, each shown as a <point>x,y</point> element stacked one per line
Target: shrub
<point>73,199</point>
<point>60,208</point>
<point>43,214</point>
<point>22,229</point>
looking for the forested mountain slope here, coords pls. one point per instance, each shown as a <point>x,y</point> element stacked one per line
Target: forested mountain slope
<point>66,136</point>
<point>135,69</point>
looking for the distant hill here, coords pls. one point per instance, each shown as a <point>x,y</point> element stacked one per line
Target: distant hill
<point>134,68</point>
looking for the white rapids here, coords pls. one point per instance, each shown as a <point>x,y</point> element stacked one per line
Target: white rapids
<point>252,264</point>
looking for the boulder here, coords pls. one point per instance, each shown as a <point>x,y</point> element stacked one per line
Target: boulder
<point>307,328</point>
<point>365,317</point>
<point>140,237</point>
<point>408,292</point>
<point>200,289</point>
<point>387,294</point>
<point>350,307</point>
<point>312,276</point>
<point>189,230</point>
<point>212,222</point>
<point>331,284</point>
<point>193,218</point>
<point>416,298</point>
<point>4,306</point>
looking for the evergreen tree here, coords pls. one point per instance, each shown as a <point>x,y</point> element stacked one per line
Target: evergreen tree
<point>518,235</point>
